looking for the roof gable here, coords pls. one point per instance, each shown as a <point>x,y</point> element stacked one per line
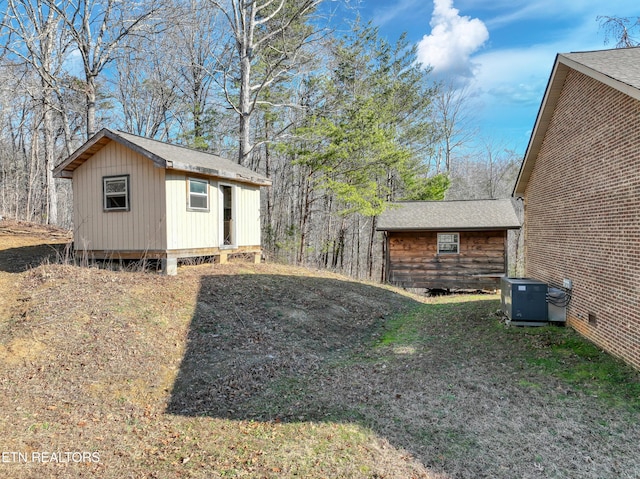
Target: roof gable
<point>163,155</point>
<point>617,68</point>
<point>449,215</point>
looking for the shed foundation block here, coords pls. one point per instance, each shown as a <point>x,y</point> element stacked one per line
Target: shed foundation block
<point>170,266</point>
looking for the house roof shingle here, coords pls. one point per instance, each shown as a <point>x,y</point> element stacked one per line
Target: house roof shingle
<point>617,68</point>
<point>449,215</point>
<point>163,155</point>
<point>620,64</point>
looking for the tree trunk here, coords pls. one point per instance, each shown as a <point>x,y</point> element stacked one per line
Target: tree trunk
<point>269,191</point>
<point>374,221</point>
<point>246,56</point>
<point>328,239</point>
<point>304,219</point>
<point>338,247</point>
<point>357,241</point>
<point>91,106</point>
<point>49,153</point>
<point>33,175</point>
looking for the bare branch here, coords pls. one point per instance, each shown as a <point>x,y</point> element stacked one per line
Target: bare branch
<point>620,28</point>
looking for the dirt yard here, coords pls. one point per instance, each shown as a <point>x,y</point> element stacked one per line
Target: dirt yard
<point>24,246</point>
<point>268,371</point>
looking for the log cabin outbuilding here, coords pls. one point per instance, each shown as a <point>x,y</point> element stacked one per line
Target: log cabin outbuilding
<point>135,198</point>
<point>447,244</point>
<point>580,182</point>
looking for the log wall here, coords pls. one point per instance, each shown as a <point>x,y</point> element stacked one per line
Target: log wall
<point>413,260</point>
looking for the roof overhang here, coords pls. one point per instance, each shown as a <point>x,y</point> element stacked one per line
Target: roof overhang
<point>104,136</point>
<point>95,144</point>
<point>559,73</point>
<point>545,113</point>
<point>176,165</point>
<point>448,228</point>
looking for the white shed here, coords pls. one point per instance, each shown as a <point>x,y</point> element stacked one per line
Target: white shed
<point>135,198</point>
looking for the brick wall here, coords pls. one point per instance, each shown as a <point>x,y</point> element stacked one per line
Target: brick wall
<point>582,212</point>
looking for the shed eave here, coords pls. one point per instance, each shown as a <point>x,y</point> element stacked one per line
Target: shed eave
<point>104,136</point>
<point>93,145</point>
<point>448,228</point>
<point>82,154</point>
<point>219,174</point>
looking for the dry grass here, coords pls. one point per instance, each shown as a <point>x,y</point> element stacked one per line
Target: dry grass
<point>266,371</point>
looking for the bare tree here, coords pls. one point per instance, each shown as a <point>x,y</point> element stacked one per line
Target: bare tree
<point>197,43</point>
<point>452,112</point>
<point>36,39</point>
<point>145,89</point>
<point>490,173</point>
<point>98,29</point>
<point>268,34</point>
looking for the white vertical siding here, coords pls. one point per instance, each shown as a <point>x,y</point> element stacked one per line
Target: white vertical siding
<point>189,229</point>
<point>141,228</point>
<point>198,229</point>
<point>158,218</point>
<point>248,215</point>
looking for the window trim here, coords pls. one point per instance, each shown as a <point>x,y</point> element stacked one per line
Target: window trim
<point>206,195</point>
<point>443,242</point>
<point>105,195</point>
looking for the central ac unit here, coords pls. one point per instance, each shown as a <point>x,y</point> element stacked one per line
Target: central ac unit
<point>524,301</point>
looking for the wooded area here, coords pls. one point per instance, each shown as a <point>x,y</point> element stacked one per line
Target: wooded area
<point>342,120</point>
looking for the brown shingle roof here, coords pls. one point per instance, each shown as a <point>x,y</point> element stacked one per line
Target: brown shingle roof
<point>449,215</point>
<point>620,64</point>
<point>163,155</point>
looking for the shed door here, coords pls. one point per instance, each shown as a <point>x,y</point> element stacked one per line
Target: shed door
<point>227,215</point>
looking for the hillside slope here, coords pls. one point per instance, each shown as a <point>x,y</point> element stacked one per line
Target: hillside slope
<point>269,371</point>
<point>128,374</point>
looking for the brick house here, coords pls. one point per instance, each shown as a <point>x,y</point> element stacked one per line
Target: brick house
<point>580,181</point>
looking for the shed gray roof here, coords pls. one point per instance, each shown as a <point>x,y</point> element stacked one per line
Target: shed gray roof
<point>163,155</point>
<point>449,215</point>
<point>617,68</point>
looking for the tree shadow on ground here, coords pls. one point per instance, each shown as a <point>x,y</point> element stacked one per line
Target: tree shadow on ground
<point>288,348</point>
<point>18,260</point>
<point>444,381</point>
<point>253,338</point>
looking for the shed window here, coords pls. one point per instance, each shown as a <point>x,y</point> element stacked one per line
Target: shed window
<point>448,243</point>
<point>116,193</point>
<point>198,194</point>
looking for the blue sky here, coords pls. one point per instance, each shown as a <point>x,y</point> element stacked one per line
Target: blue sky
<point>502,50</point>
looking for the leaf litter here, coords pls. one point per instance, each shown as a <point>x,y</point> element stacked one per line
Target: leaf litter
<point>271,371</point>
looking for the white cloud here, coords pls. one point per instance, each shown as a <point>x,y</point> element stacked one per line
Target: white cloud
<point>452,41</point>
<point>515,75</point>
<point>507,76</point>
<point>501,13</point>
<point>73,63</point>
<point>519,75</point>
